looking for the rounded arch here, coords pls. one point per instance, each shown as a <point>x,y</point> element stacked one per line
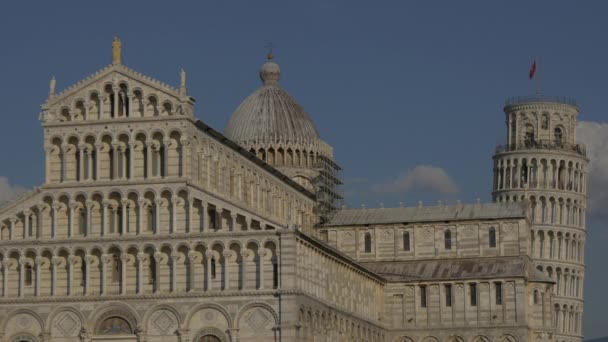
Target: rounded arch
<point>221,335</point>
<point>59,310</point>
<point>507,338</point>
<point>202,306</point>
<point>16,312</point>
<point>253,305</point>
<point>21,337</point>
<point>114,309</point>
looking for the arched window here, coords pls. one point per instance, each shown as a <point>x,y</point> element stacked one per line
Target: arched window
<point>368,243</point>
<point>406,241</point>
<point>82,223</point>
<point>558,135</point>
<point>492,237</point>
<point>535,297</point>
<point>28,275</point>
<point>529,137</point>
<point>151,219</point>
<point>447,239</point>
<point>83,272</point>
<point>275,275</point>
<point>544,122</point>
<point>116,270</point>
<point>213,273</point>
<point>30,226</point>
<point>152,270</point>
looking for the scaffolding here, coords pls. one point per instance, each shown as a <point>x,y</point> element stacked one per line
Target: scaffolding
<point>329,185</point>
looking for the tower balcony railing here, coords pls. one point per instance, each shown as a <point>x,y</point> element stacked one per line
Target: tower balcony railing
<point>540,98</point>
<point>544,145</point>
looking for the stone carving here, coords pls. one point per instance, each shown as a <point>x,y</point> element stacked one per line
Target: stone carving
<point>164,322</point>
<point>427,233</point>
<point>24,321</point>
<point>470,231</point>
<point>67,324</point>
<point>387,235</point>
<point>349,237</point>
<point>258,318</point>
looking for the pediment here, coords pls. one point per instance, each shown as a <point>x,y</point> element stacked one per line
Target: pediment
<point>97,90</point>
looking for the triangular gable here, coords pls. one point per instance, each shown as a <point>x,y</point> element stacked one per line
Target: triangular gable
<point>122,72</point>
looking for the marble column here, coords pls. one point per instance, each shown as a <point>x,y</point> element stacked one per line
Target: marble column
<point>21,276</point>
<point>189,215</point>
<point>141,257</point>
<point>226,255</point>
<point>54,263</point>
<point>125,216</point>
<point>37,263</point>
<point>208,282</point>
<point>88,260</point>
<point>173,259</point>
<point>157,202</point>
<point>89,227</point>
<point>191,281</point>
<point>104,217</point>
<point>158,259</point>
<point>123,273</point>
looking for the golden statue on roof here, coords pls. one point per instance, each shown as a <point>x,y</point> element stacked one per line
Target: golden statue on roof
<point>116,46</point>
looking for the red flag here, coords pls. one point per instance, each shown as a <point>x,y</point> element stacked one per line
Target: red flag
<point>532,69</point>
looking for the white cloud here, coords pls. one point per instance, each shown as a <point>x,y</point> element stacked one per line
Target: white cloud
<point>422,178</point>
<point>595,136</point>
<point>9,191</point>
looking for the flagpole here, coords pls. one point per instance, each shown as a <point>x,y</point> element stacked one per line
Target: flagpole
<point>538,93</point>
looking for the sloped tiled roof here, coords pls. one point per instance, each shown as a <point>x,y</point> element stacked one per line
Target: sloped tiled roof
<point>455,269</point>
<point>346,217</point>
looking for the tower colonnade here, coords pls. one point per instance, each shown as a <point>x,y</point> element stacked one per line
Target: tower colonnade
<point>544,166</point>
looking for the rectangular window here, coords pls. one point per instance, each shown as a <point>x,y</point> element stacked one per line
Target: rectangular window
<point>406,241</point>
<point>423,296</point>
<point>448,295</point>
<point>473,291</point>
<point>498,287</point>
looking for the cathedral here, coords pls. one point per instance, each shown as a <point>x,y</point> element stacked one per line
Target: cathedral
<point>152,226</point>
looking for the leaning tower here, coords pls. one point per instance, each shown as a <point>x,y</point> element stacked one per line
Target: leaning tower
<point>543,164</point>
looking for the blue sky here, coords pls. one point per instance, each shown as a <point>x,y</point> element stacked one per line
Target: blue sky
<point>393,87</point>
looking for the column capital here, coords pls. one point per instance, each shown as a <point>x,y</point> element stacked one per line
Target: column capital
<point>72,259</point>
<point>158,201</point>
<point>226,254</point>
<point>73,204</point>
<point>13,219</point>
<point>245,253</point>
<point>209,254</point>
<point>106,258</point>
<point>192,256</point>
<point>22,261</point>
<point>124,202</point>
<point>38,261</point>
<point>124,257</point>
<point>158,256</point>
<point>89,203</point>
<point>142,202</point>
<point>55,260</point>
<point>27,212</point>
<point>142,257</point>
<point>89,259</point>
<point>174,199</point>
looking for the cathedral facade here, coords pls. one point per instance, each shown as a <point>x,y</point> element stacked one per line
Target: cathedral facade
<point>152,226</point>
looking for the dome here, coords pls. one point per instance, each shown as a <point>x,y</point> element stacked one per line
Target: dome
<point>270,115</point>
